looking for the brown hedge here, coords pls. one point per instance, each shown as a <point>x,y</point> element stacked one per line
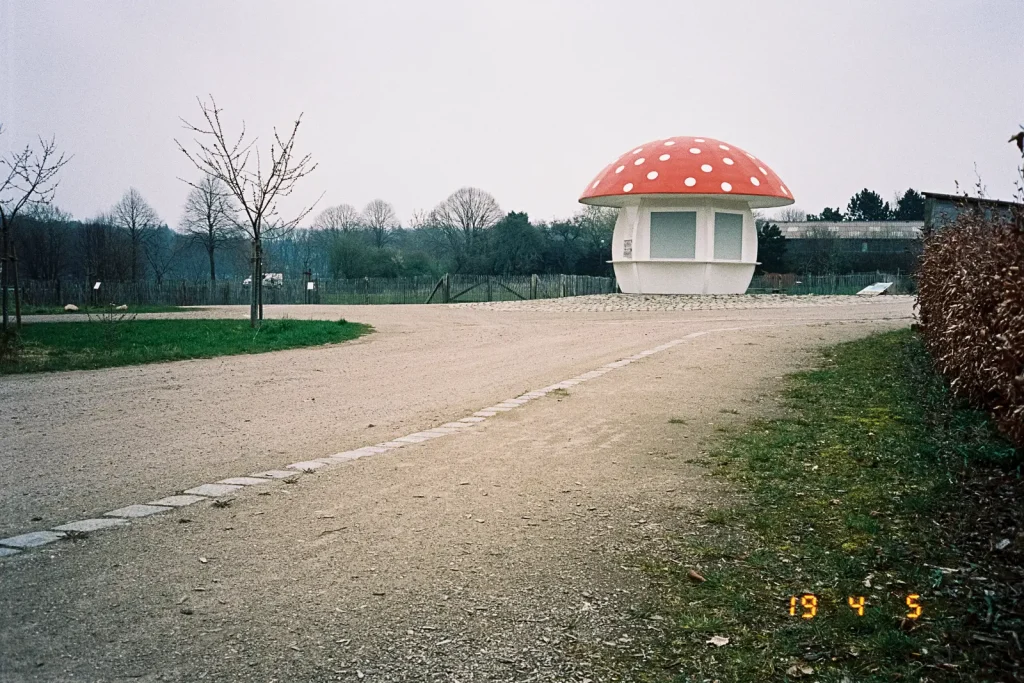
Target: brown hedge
<point>971,307</point>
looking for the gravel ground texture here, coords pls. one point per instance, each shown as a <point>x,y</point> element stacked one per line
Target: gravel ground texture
<point>504,552</point>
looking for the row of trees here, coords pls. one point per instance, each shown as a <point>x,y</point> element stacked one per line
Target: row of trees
<point>233,208</point>
<point>232,211</point>
<point>466,233</point>
<point>868,205</point>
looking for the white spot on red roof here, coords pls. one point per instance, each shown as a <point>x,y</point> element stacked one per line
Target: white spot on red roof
<point>639,161</point>
<point>695,150</point>
<point>761,169</point>
<point>690,182</point>
<point>595,184</point>
<point>628,187</point>
<point>725,147</point>
<point>706,168</point>
<point>664,157</point>
<point>727,161</point>
<point>726,187</point>
<point>652,175</point>
<point>620,169</point>
<point>754,181</point>
<point>698,140</point>
<point>784,190</point>
<point>638,150</point>
<point>669,143</point>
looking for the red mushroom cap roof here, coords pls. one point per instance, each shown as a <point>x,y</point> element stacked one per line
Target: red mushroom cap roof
<point>694,167</point>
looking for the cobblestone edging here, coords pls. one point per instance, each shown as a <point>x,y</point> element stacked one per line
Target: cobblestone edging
<point>676,302</point>
<point>123,516</point>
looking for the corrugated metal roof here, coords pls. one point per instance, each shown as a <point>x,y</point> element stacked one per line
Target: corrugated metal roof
<point>852,230</point>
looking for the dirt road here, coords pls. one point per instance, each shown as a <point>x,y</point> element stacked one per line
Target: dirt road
<point>500,552</point>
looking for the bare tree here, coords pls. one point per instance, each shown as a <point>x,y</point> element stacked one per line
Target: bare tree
<point>462,217</point>
<point>28,178</point>
<point>256,185</point>
<point>419,219</point>
<point>135,216</point>
<point>380,219</point>
<point>791,214</point>
<point>340,218</point>
<point>47,238</point>
<point>210,217</point>
<point>162,248</point>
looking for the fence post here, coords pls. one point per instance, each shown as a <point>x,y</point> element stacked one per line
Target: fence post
<point>447,288</point>
<point>533,286</point>
<point>561,285</point>
<point>488,287</point>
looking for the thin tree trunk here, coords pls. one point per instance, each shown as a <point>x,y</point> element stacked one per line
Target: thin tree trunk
<point>213,269</point>
<point>259,270</point>
<point>17,291</point>
<point>253,289</point>
<point>4,274</point>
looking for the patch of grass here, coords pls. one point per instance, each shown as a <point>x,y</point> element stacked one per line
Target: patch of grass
<point>54,310</point>
<point>865,488</point>
<point>676,421</point>
<point>112,342</point>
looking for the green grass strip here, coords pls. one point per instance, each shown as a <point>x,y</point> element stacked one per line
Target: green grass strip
<point>111,342</point>
<point>837,499</point>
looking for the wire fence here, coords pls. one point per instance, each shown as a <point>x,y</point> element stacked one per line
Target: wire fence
<point>450,288</point>
<point>902,283</point>
<point>411,290</point>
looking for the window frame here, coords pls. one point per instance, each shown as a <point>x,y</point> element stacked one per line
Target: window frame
<point>650,234</point>
<point>714,234</point>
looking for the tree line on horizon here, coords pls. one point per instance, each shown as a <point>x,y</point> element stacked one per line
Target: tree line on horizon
<point>466,233</point>
<point>866,205</point>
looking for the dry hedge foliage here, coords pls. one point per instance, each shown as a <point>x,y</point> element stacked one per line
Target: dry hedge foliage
<point>971,304</point>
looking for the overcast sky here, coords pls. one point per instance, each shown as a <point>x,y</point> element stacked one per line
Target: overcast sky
<point>408,101</point>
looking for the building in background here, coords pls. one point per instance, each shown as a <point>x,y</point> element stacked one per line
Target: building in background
<point>851,246</point>
<point>943,209</point>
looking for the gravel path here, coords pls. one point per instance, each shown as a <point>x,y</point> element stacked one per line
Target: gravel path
<point>502,552</point>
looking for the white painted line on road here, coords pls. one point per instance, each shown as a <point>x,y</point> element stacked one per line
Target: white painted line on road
<point>304,466</point>
<point>213,490</point>
<point>244,481</point>
<point>411,439</point>
<point>32,540</point>
<point>119,517</point>
<point>343,457</point>
<point>86,525</point>
<point>132,511</point>
<point>178,501</point>
<point>274,474</point>
<point>429,434</point>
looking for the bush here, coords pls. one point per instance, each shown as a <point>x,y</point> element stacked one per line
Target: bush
<point>971,301</point>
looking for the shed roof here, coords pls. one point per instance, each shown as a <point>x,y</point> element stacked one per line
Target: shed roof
<point>859,230</point>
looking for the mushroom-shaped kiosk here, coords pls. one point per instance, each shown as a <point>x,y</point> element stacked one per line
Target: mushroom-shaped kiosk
<point>685,224</point>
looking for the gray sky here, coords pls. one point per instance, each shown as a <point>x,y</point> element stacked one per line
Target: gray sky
<point>408,101</point>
